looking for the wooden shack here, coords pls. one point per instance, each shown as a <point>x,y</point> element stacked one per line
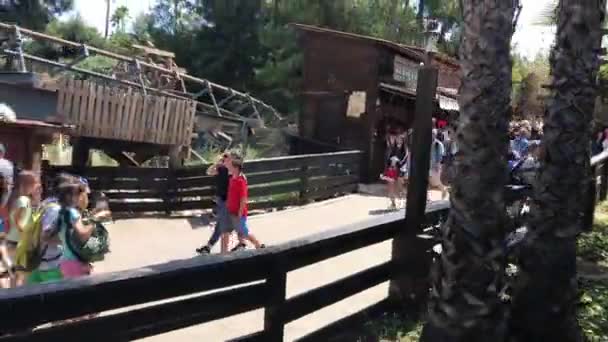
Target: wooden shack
<point>354,84</point>
<point>24,138</point>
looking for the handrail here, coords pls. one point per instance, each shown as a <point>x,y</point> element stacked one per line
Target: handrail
<point>182,277</point>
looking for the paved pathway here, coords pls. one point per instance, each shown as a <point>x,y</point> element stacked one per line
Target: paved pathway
<point>143,242</point>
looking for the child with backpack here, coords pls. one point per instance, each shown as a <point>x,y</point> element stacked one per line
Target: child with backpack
<point>21,206</point>
<point>84,239</point>
<point>46,250</point>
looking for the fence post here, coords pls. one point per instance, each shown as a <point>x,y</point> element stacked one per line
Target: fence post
<point>170,191</point>
<point>604,182</point>
<point>274,325</point>
<point>303,185</point>
<point>409,286</point>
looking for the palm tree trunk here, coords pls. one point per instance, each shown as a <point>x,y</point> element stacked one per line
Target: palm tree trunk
<point>545,302</point>
<point>464,303</point>
<point>107,30</point>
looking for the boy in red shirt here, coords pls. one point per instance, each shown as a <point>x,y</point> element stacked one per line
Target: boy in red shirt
<point>236,204</point>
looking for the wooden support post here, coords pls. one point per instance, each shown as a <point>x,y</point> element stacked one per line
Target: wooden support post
<point>274,325</point>
<point>175,162</point>
<point>604,182</point>
<point>80,154</point>
<point>409,287</point>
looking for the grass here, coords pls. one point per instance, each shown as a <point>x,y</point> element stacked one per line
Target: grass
<point>593,304</point>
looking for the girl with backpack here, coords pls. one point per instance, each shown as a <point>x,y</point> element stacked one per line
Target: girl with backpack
<point>20,216</point>
<point>73,198</point>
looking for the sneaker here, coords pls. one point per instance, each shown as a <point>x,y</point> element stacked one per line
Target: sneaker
<point>239,247</point>
<point>203,250</point>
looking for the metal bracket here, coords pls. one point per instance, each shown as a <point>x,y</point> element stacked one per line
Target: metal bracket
<point>140,76</point>
<point>84,54</point>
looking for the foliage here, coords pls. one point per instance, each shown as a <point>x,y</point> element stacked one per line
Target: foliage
<point>528,77</point>
<point>392,327</point>
<point>593,305</point>
<point>33,14</point>
<point>120,17</point>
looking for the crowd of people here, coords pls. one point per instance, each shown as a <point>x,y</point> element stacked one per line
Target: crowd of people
<point>42,239</point>
<point>231,205</point>
<point>524,154</point>
<point>398,159</point>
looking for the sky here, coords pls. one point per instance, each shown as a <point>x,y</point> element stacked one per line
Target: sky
<point>529,39</point>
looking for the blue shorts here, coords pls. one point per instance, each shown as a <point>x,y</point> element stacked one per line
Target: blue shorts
<point>221,214</point>
<point>240,225</point>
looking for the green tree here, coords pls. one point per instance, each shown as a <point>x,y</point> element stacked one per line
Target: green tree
<point>464,304</point>
<point>120,17</point>
<point>34,15</point>
<point>546,300</point>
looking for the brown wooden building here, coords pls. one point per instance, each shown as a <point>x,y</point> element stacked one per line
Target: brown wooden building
<point>23,140</point>
<point>353,85</point>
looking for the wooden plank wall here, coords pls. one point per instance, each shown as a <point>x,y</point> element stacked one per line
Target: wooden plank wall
<point>100,111</point>
<point>274,183</point>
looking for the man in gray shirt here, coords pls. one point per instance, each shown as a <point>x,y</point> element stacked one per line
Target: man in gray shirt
<point>7,171</point>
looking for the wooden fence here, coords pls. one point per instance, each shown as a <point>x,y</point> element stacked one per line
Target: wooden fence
<point>106,112</point>
<point>256,280</point>
<point>185,293</point>
<point>273,182</point>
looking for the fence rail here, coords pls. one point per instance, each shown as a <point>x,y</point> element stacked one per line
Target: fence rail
<point>257,280</point>
<point>274,182</point>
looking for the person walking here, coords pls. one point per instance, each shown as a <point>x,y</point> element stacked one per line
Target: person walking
<point>237,208</point>
<point>437,153</point>
<point>73,198</point>
<point>222,177</point>
<point>50,242</point>
<point>20,216</point>
<point>6,264</point>
<point>7,171</point>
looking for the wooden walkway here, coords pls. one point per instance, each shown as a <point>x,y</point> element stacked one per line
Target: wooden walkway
<point>145,242</point>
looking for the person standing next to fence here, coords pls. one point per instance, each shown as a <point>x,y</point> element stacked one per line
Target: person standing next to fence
<point>6,264</point>
<point>50,243</point>
<point>20,215</point>
<point>7,171</point>
<point>222,177</point>
<point>73,198</point>
<point>237,208</point>
<point>437,153</point>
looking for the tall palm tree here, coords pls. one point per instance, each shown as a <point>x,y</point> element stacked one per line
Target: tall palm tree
<point>107,29</point>
<point>545,301</point>
<point>464,303</point>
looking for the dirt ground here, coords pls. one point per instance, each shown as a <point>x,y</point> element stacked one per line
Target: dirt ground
<point>148,241</point>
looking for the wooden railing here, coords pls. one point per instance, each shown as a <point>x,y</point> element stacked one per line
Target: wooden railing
<point>249,281</point>
<point>99,111</point>
<point>274,182</point>
<point>257,280</point>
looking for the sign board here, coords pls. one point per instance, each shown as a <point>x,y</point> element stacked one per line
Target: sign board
<point>356,104</point>
<point>405,71</point>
